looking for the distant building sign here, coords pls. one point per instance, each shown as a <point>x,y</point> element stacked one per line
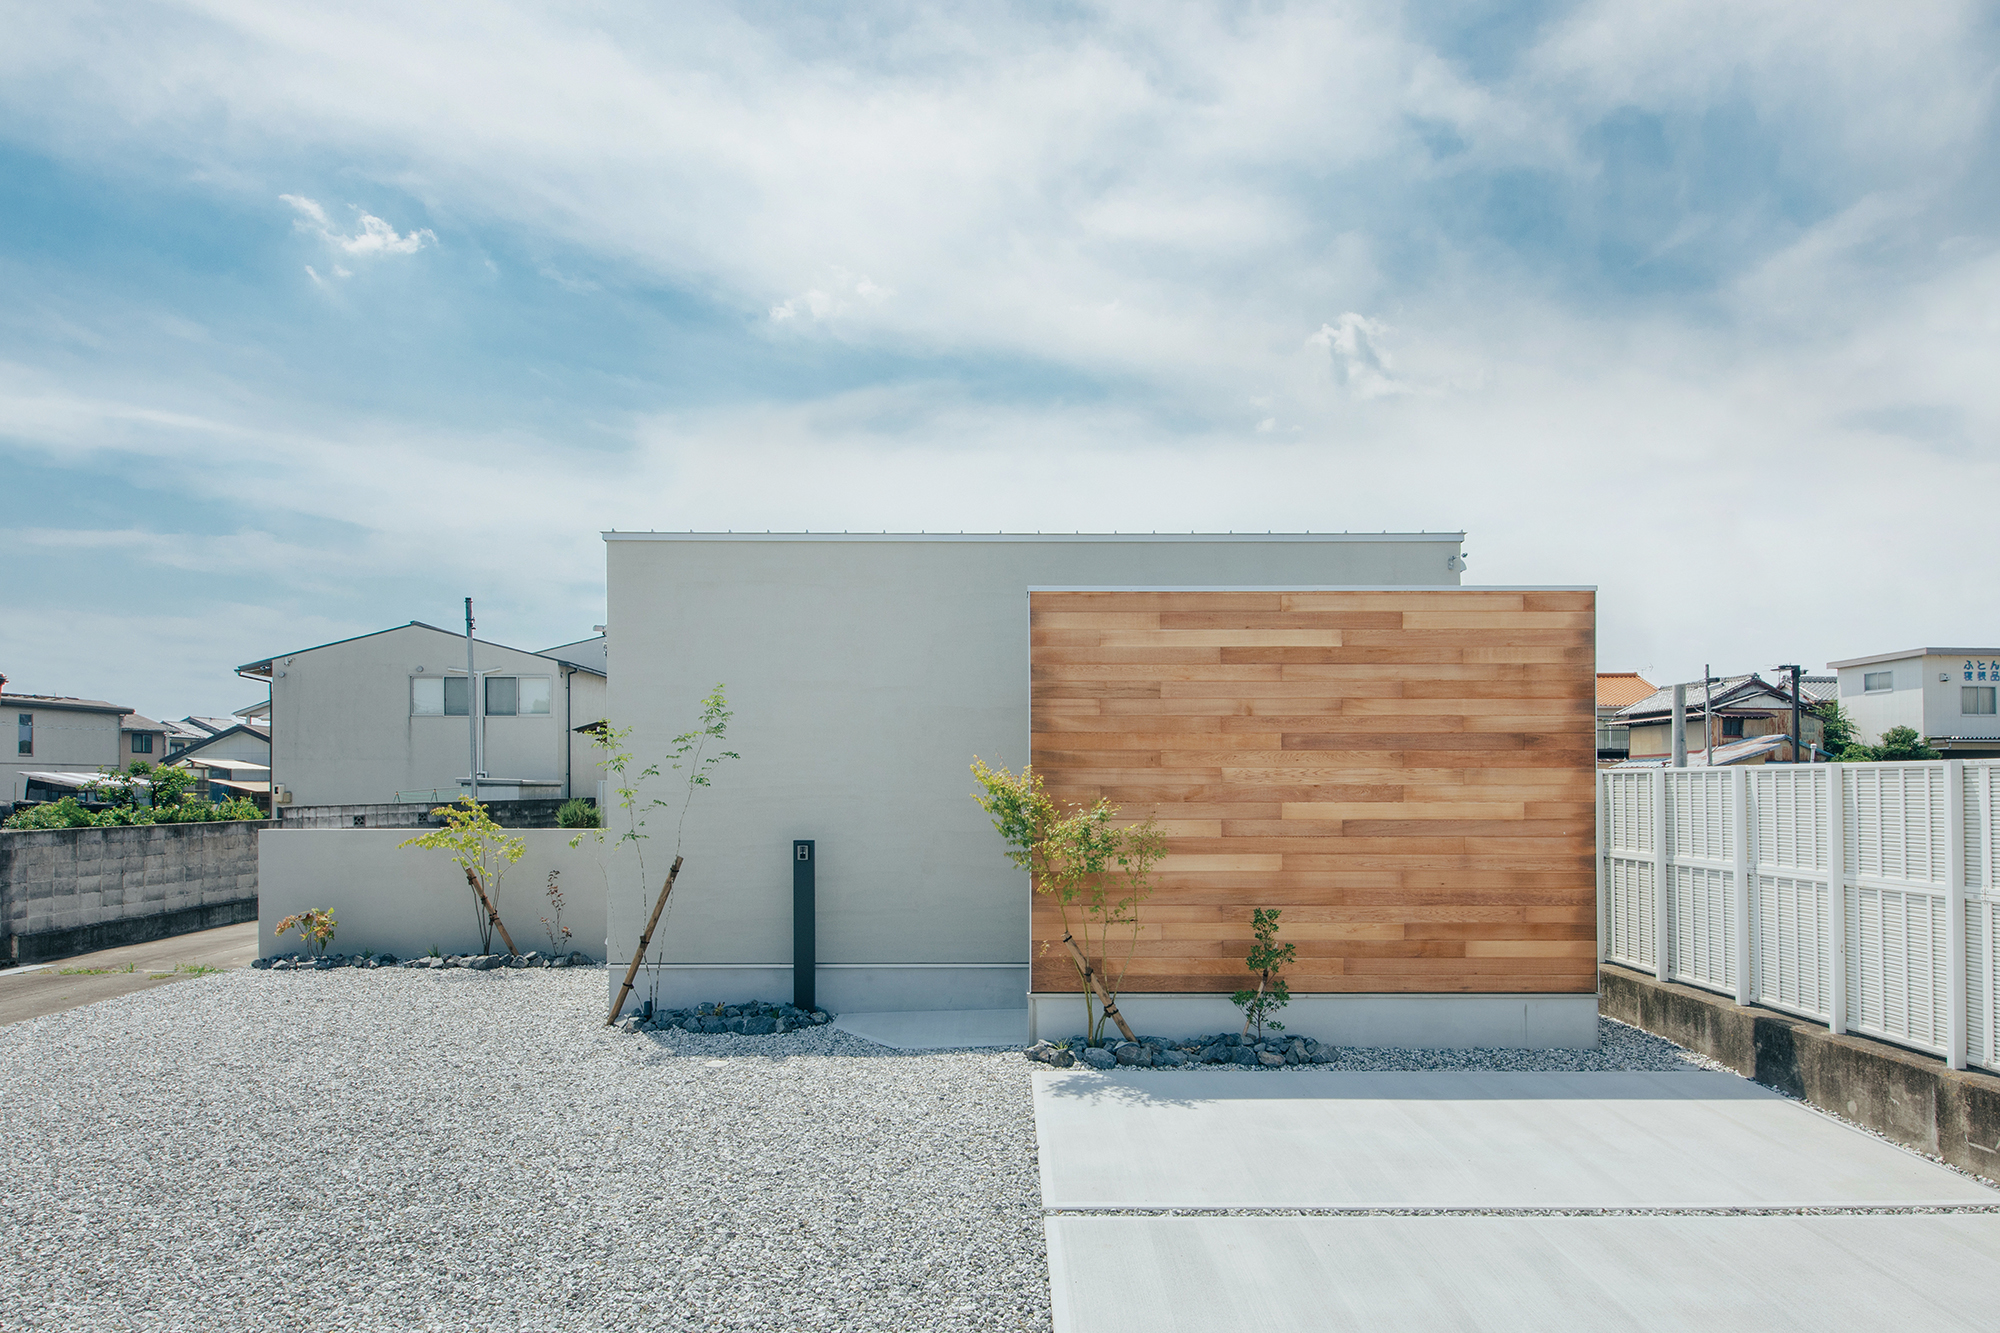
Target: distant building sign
<point>1980,669</point>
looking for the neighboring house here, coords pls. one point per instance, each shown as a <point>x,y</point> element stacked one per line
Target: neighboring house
<point>391,716</point>
<point>1617,690</point>
<point>55,736</point>
<point>234,762</point>
<point>1744,707</point>
<point>141,738</point>
<point>192,731</point>
<point>1945,695</point>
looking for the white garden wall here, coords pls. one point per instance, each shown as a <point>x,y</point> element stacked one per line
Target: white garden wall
<point>407,901</point>
<point>1859,895</point>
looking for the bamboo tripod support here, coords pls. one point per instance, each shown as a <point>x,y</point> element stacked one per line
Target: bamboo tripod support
<point>479,891</point>
<point>1090,979</point>
<point>639,955</point>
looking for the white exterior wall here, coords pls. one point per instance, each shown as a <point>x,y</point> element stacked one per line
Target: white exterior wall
<point>865,674</point>
<point>66,741</point>
<point>343,733</point>
<point>1928,697</point>
<point>407,900</point>
<point>1874,714</point>
<point>242,745</point>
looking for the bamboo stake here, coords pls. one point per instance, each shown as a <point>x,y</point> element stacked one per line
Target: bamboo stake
<point>479,891</point>
<point>644,940</point>
<point>1090,979</point>
<point>1262,977</point>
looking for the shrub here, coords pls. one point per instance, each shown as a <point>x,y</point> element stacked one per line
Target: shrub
<point>1266,957</point>
<point>314,925</point>
<point>483,850</point>
<point>577,812</point>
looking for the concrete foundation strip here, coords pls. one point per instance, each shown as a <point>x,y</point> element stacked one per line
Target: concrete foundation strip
<point>1674,1210</point>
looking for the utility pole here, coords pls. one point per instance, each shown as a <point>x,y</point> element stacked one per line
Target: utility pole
<point>1680,726</point>
<point>1795,670</point>
<point>471,704</point>
<point>1708,711</point>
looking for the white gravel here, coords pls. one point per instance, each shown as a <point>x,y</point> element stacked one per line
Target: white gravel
<point>451,1150</point>
<point>445,1150</point>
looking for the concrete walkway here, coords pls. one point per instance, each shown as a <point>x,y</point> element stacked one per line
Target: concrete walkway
<point>50,988</point>
<point>939,1029</point>
<point>1524,1201</point>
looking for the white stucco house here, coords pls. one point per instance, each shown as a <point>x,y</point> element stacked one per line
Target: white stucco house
<point>56,736</point>
<point>392,716</point>
<point>1949,696</point>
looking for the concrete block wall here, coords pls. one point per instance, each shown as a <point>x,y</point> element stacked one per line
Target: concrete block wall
<point>66,891</point>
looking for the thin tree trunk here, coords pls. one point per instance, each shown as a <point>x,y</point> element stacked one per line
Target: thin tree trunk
<point>491,915</point>
<point>1090,979</point>
<point>644,940</point>
<point>1253,1007</point>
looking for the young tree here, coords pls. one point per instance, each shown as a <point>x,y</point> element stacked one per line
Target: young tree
<point>1089,867</point>
<point>694,754</point>
<point>484,851</point>
<point>1265,958</point>
<point>1836,724</point>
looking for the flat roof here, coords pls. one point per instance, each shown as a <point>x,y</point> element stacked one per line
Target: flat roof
<point>1313,587</point>
<point>1050,537</point>
<point>62,701</point>
<point>1908,653</point>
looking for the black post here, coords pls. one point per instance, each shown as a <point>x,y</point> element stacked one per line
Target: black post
<point>805,963</point>
<point>1795,670</point>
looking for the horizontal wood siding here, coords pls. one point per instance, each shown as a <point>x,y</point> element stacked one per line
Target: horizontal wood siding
<point>1407,774</point>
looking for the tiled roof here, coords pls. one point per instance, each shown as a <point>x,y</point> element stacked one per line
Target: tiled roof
<point>1616,689</point>
<point>1751,692</point>
<point>60,701</point>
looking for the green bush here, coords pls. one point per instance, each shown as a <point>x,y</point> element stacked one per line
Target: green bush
<point>577,812</point>
<point>171,802</point>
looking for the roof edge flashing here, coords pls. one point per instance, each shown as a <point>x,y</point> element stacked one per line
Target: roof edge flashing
<point>1050,538</point>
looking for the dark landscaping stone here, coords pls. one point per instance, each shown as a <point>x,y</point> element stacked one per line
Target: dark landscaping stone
<point>759,1027</point>
<point>1271,1058</point>
<point>1244,1055</point>
<point>1097,1057</point>
<point>1217,1053</point>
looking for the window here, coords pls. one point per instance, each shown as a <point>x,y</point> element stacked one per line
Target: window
<point>1977,699</point>
<point>142,742</point>
<point>507,696</point>
<point>1732,728</point>
<point>25,730</point>
<point>438,696</point>
<point>1873,681</point>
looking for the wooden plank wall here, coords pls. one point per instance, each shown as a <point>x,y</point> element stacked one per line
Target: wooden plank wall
<point>1409,775</point>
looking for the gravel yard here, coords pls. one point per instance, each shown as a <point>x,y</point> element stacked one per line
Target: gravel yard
<point>450,1150</point>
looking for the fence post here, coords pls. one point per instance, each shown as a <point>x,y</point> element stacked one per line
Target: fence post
<point>1663,935</point>
<point>1836,896</point>
<point>1603,902</point>
<point>1739,837</point>
<point>1954,907</point>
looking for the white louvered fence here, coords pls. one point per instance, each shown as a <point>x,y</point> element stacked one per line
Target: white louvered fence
<point>1858,895</point>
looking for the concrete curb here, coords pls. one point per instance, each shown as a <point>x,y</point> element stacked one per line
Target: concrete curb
<point>1907,1098</point>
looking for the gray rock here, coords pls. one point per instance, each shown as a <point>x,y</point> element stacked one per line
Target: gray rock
<point>1131,1053</point>
<point>1270,1059</point>
<point>1061,1059</point>
<point>1217,1053</point>
<point>1169,1058</point>
<point>260,963</point>
<point>1243,1055</point>
<point>630,1024</point>
<point>1097,1057</point>
<point>515,960</point>
<point>759,1027</point>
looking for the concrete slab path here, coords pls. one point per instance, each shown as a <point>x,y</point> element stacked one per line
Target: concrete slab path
<point>940,1029</point>
<point>1521,1202</point>
<point>51,988</point>
<point>1319,1139</point>
<point>1773,1274</point>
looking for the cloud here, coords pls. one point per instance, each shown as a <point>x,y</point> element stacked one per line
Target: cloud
<point>1650,272</point>
<point>1362,364</point>
<point>376,237</point>
<point>842,293</point>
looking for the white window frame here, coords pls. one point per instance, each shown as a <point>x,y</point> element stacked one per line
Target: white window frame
<point>1868,679</point>
<point>1986,694</point>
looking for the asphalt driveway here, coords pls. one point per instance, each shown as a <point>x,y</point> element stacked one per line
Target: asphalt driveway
<point>50,988</point>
